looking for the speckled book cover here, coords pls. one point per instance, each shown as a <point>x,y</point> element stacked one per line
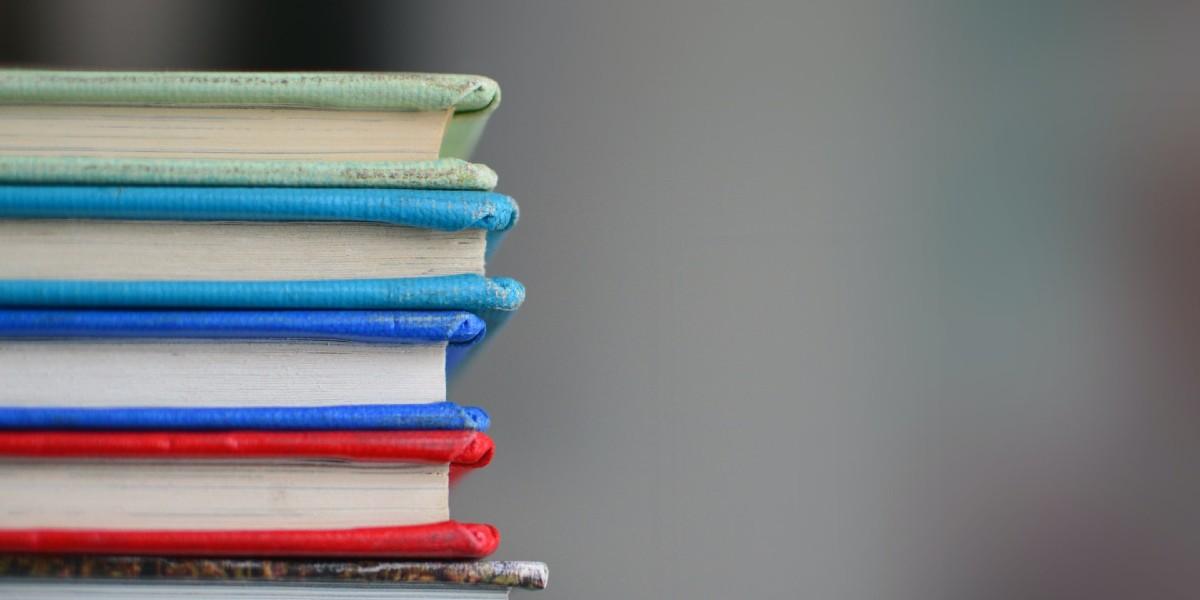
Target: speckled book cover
<point>528,575</point>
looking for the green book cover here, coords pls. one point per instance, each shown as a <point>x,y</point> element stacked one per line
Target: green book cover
<point>470,100</point>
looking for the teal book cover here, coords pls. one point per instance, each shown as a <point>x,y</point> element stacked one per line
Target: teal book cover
<point>492,214</point>
<point>493,299</point>
<point>442,210</point>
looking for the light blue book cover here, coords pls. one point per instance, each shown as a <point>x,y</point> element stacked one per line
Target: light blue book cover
<point>444,210</point>
<point>491,298</point>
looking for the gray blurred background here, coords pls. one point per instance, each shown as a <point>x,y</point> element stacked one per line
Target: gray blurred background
<point>826,299</point>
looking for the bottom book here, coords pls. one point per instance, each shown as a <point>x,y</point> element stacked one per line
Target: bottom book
<point>85,576</point>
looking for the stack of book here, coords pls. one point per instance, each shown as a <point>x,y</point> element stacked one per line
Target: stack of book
<point>228,306</point>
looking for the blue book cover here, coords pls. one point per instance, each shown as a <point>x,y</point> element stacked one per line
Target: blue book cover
<point>458,330</point>
<point>439,416</point>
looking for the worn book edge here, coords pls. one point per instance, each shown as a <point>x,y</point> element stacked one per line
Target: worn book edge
<point>472,97</point>
<point>439,174</point>
<point>527,575</point>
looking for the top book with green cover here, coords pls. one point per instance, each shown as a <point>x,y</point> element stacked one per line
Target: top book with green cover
<point>325,129</point>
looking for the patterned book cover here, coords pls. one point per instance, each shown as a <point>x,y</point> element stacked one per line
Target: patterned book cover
<point>528,575</point>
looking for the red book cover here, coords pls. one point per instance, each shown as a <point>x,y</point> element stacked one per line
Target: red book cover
<point>463,450</point>
<point>449,539</point>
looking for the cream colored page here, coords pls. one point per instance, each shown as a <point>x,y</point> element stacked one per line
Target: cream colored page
<point>237,251</point>
<point>221,133</point>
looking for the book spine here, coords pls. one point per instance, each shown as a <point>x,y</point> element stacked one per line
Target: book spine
<point>393,417</point>
<point>346,91</point>
<point>530,575</point>
<point>448,539</point>
<point>445,210</point>
<point>439,174</point>
<point>474,293</point>
<point>394,327</point>
<point>465,449</point>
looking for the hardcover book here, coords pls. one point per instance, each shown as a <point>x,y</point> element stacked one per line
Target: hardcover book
<point>134,369</point>
<point>90,576</point>
<point>239,493</point>
<point>404,130</point>
<point>147,233</point>
<point>493,299</point>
